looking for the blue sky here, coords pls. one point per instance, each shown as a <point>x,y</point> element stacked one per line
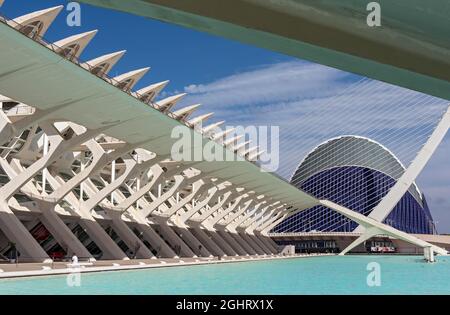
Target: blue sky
<point>247,85</point>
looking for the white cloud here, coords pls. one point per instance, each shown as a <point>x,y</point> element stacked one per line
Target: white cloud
<point>283,81</point>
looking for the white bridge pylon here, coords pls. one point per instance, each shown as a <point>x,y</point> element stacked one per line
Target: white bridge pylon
<point>387,204</point>
<point>373,228</point>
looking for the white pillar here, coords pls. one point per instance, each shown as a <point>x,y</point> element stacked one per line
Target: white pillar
<point>82,183</point>
<point>44,171</point>
<point>113,177</point>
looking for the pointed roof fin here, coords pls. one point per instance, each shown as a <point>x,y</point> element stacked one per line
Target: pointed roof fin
<point>194,122</point>
<point>72,46</point>
<point>211,127</point>
<point>103,64</point>
<point>185,112</point>
<point>36,23</point>
<point>149,93</point>
<point>127,81</point>
<point>232,140</point>
<point>166,104</point>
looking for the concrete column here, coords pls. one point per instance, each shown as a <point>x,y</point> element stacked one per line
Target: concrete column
<point>209,243</point>
<point>109,248</point>
<point>150,235</point>
<point>175,240</point>
<point>124,232</point>
<point>127,235</point>
<point>247,247</point>
<point>104,241</point>
<point>61,232</point>
<point>16,232</point>
<point>195,244</point>
<point>232,242</point>
<point>268,241</point>
<point>51,220</point>
<point>223,244</point>
<point>95,231</point>
<point>257,242</point>
<point>26,244</point>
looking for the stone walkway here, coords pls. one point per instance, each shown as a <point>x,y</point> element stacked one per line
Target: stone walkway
<point>10,270</point>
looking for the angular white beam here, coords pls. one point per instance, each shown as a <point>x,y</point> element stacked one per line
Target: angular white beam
<point>206,214</point>
<point>58,147</point>
<point>375,228</point>
<point>148,210</point>
<point>240,217</point>
<point>382,210</point>
<point>227,216</point>
<point>199,205</point>
<point>250,225</point>
<point>125,204</point>
<point>177,206</point>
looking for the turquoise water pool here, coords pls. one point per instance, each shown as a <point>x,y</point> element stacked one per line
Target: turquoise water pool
<point>316,275</point>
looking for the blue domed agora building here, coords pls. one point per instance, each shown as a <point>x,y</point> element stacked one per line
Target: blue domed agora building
<point>357,173</point>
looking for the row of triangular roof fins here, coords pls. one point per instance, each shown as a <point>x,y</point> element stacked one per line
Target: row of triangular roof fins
<point>36,24</point>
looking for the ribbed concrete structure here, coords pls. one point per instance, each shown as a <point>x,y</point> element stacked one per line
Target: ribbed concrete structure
<point>87,165</point>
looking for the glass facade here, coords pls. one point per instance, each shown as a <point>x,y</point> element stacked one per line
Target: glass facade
<point>359,189</point>
<point>355,172</point>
